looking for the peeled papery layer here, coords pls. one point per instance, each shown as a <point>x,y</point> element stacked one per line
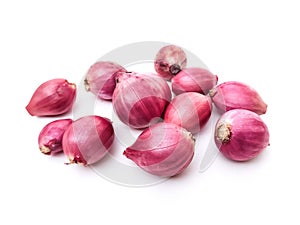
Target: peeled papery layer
<point>164,149</point>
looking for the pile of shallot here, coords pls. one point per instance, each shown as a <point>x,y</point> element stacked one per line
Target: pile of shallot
<point>166,144</point>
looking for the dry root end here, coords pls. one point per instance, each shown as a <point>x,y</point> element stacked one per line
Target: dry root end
<point>192,136</point>
<point>224,132</point>
<point>174,69</point>
<point>45,150</point>
<point>73,86</point>
<point>86,85</point>
<point>189,135</point>
<point>76,160</point>
<point>212,92</point>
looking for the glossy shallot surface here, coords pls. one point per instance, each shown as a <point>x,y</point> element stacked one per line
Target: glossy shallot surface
<point>241,135</point>
<point>88,140</point>
<point>193,80</point>
<point>50,137</point>
<point>139,100</point>
<point>164,149</point>
<point>54,97</point>
<point>189,110</point>
<point>236,95</point>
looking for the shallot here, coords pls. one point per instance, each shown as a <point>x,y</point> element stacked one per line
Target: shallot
<point>190,110</point>
<point>169,61</point>
<point>236,95</point>
<point>241,135</point>
<point>193,80</point>
<point>100,78</point>
<point>88,139</point>
<point>54,97</point>
<point>163,149</point>
<point>50,137</point>
<point>139,100</point>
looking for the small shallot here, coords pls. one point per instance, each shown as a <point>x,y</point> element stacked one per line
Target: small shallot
<point>169,61</point>
<point>163,149</point>
<point>88,139</point>
<point>236,95</point>
<point>54,97</point>
<point>190,110</point>
<point>50,137</point>
<point>100,78</point>
<point>193,80</point>
<point>139,100</point>
<point>241,135</point>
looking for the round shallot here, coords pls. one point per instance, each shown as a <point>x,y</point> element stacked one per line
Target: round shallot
<point>190,110</point>
<point>50,137</point>
<point>241,135</point>
<point>88,139</point>
<point>169,61</point>
<point>139,100</point>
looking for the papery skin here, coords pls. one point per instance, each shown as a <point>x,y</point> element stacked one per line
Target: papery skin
<point>236,95</point>
<point>193,80</point>
<point>100,79</point>
<point>88,139</point>
<point>169,61</point>
<point>50,137</point>
<point>189,110</point>
<point>163,149</point>
<point>52,98</point>
<point>139,100</point>
<point>241,135</point>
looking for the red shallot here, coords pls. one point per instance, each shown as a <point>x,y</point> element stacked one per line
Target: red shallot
<point>163,149</point>
<point>54,97</point>
<point>190,110</point>
<point>88,139</point>
<point>236,95</point>
<point>139,100</point>
<point>100,79</point>
<point>193,80</point>
<point>241,135</point>
<point>169,61</point>
<point>50,137</point>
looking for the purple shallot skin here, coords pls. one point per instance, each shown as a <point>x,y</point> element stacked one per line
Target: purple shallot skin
<point>88,140</point>
<point>101,79</point>
<point>163,149</point>
<point>52,98</point>
<point>50,137</point>
<point>236,95</point>
<point>190,110</point>
<point>169,61</point>
<point>139,100</point>
<point>194,80</point>
<point>241,135</point>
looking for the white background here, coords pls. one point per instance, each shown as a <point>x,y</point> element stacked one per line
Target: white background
<point>256,42</point>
